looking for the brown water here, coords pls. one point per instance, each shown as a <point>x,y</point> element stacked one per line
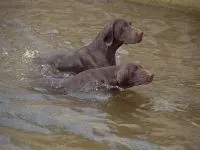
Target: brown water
<point>164,115</point>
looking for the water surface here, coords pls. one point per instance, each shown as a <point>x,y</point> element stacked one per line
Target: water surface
<point>163,115</point>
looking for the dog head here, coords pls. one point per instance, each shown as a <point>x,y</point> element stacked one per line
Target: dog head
<point>130,75</point>
<point>123,31</point>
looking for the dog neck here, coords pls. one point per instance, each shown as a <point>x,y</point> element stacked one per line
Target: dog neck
<point>109,51</point>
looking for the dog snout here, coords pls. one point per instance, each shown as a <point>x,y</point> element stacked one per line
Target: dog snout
<point>150,75</point>
<point>140,34</point>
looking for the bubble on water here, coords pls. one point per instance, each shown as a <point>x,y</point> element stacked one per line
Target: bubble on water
<point>22,78</point>
<point>53,31</point>
<point>4,52</point>
<point>86,41</point>
<point>123,52</point>
<point>197,84</point>
<point>67,42</point>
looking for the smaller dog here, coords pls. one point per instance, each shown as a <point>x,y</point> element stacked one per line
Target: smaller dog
<point>112,77</point>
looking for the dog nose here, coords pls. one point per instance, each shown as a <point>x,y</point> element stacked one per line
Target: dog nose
<point>140,32</point>
<point>152,76</point>
<point>140,35</point>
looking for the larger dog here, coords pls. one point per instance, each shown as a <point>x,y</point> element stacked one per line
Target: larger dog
<point>101,52</point>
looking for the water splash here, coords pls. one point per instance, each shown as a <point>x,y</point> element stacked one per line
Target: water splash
<point>29,55</point>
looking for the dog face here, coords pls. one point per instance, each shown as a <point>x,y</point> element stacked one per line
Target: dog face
<point>123,31</point>
<point>130,75</point>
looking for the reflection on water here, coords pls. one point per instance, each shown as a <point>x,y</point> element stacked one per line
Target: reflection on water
<point>163,115</point>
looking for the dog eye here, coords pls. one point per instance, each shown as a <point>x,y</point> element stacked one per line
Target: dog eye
<point>125,24</point>
<point>130,23</point>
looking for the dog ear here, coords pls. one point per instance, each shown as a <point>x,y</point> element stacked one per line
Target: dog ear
<point>109,34</point>
<point>122,76</point>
